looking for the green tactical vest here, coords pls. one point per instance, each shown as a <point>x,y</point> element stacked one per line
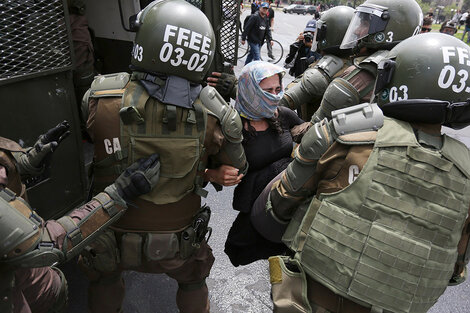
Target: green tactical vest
<point>389,240</point>
<point>176,134</point>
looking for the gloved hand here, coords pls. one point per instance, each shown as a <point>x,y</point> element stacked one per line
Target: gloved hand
<point>226,84</point>
<point>136,180</point>
<point>32,162</point>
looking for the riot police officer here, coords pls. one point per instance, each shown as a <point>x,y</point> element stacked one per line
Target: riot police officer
<point>378,25</point>
<point>386,224</point>
<point>305,93</point>
<point>161,107</point>
<point>30,245</point>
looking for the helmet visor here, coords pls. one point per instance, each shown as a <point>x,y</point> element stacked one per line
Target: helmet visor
<point>366,21</point>
<point>320,34</point>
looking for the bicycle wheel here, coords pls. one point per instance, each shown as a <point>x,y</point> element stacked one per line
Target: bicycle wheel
<point>242,49</point>
<point>278,52</point>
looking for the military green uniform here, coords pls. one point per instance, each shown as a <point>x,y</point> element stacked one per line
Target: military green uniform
<point>31,245</point>
<point>354,86</point>
<point>305,93</point>
<point>386,242</point>
<point>187,140</point>
<point>161,107</point>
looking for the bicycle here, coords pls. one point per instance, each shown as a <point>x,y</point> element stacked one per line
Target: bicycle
<point>278,51</point>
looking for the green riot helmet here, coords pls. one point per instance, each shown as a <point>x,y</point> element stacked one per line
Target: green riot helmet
<point>426,79</point>
<point>331,28</point>
<point>381,24</point>
<point>173,38</point>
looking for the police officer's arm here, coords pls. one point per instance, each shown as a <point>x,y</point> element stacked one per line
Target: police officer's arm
<point>231,152</point>
<point>298,181</point>
<point>62,239</point>
<point>463,248</point>
<point>32,162</point>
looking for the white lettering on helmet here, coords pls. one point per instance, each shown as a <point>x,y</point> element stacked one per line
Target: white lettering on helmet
<point>447,52</point>
<point>188,38</point>
<point>183,36</point>
<point>170,30</point>
<point>176,56</point>
<point>463,55</point>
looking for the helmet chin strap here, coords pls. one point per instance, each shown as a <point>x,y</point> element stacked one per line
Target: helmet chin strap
<point>454,115</point>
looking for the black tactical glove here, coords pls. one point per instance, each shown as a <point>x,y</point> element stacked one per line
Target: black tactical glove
<point>136,180</point>
<point>32,162</point>
<point>227,85</point>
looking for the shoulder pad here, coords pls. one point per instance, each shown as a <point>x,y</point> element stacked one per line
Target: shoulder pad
<point>458,153</point>
<point>330,64</point>
<point>225,113</point>
<point>213,101</point>
<point>110,85</point>
<point>375,58</point>
<point>10,145</point>
<point>363,117</point>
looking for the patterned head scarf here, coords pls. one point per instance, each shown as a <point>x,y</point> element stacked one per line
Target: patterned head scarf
<point>252,102</point>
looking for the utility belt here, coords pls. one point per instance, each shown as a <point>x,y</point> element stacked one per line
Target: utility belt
<point>161,246</point>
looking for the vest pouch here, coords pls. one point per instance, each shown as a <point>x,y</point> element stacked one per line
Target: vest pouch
<point>178,158</point>
<point>288,286</point>
<point>297,230</point>
<point>131,250</point>
<point>101,255</point>
<point>161,246</point>
<point>392,269</point>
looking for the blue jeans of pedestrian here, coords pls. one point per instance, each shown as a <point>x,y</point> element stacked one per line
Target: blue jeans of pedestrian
<point>466,30</point>
<point>253,55</point>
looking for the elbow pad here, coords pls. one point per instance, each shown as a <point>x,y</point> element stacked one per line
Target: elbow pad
<point>339,94</point>
<point>49,249</point>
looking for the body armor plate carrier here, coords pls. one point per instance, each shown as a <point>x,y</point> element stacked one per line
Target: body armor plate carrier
<point>389,240</point>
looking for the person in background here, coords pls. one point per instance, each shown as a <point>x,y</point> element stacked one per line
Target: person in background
<point>427,25</point>
<point>302,53</point>
<point>449,28</point>
<point>254,6</point>
<point>271,28</point>
<point>463,18</point>
<point>467,27</point>
<point>256,30</point>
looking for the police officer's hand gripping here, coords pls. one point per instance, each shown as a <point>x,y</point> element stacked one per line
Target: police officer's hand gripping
<point>34,159</point>
<point>136,180</point>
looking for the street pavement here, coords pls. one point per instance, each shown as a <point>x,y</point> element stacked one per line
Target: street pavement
<point>233,289</point>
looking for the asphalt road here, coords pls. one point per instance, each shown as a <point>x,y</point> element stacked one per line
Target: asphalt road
<point>233,289</point>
